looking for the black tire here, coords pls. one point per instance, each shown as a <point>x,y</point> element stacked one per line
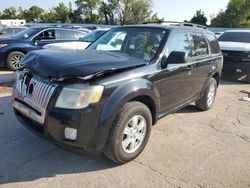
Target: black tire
<point>204,103</point>
<point>114,148</point>
<point>11,64</point>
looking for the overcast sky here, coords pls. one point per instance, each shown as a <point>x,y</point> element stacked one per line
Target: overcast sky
<point>172,10</point>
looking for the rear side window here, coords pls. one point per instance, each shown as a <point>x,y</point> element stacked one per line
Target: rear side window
<point>200,45</point>
<point>213,42</point>
<point>67,35</point>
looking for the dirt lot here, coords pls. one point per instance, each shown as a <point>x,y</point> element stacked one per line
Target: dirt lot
<point>187,149</point>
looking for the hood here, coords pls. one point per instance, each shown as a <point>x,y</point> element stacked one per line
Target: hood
<point>9,40</point>
<point>63,64</point>
<point>234,46</point>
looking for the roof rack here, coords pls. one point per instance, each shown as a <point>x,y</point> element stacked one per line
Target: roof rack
<point>173,23</point>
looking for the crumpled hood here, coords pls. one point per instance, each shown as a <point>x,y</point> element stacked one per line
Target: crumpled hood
<point>63,64</point>
<point>234,46</point>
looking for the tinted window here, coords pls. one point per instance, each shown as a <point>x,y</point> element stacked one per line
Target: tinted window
<point>141,43</point>
<point>181,42</point>
<point>200,45</point>
<point>235,37</point>
<point>48,35</point>
<point>68,35</point>
<point>213,42</point>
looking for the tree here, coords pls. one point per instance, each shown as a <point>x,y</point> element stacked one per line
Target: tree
<point>87,8</point>
<point>108,10</point>
<point>127,12</point>
<point>9,13</point>
<point>134,11</point>
<point>199,18</point>
<point>237,14</point>
<point>34,14</point>
<point>61,13</point>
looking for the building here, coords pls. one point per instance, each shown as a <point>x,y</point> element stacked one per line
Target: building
<point>12,22</point>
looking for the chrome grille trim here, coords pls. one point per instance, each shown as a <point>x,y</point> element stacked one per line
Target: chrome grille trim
<point>38,99</point>
<point>42,93</point>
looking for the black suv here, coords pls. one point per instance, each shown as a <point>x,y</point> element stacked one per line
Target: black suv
<point>106,98</point>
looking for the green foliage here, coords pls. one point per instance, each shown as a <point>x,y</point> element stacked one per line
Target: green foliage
<point>88,11</point>
<point>87,8</point>
<point>34,14</point>
<point>199,18</point>
<point>9,13</point>
<point>237,14</point>
<point>61,13</point>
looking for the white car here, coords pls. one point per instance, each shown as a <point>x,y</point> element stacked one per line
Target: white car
<point>235,46</point>
<point>82,44</point>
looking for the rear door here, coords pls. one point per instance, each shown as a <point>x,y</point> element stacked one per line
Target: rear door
<point>201,60</point>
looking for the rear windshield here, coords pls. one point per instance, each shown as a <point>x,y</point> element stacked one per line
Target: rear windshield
<point>235,37</point>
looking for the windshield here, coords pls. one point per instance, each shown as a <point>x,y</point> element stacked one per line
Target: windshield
<point>26,33</point>
<point>142,43</point>
<point>91,37</point>
<point>235,37</point>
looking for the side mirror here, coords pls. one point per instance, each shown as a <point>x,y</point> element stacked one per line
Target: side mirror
<point>36,40</point>
<point>174,57</point>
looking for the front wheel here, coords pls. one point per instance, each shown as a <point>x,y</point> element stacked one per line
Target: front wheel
<point>130,133</point>
<point>208,98</point>
<point>13,60</point>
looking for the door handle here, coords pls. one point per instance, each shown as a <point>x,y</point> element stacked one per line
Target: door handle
<point>210,62</point>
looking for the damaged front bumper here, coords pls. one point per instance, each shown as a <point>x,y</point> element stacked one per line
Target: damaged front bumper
<point>34,105</point>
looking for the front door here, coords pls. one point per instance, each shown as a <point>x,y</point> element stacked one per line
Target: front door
<point>177,86</point>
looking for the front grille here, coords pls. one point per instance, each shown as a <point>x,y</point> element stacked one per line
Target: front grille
<point>41,91</point>
<point>32,95</point>
<point>236,54</point>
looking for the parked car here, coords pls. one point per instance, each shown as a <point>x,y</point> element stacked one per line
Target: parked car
<point>235,46</point>
<point>13,49</point>
<point>107,97</point>
<point>81,44</point>
<point>9,31</point>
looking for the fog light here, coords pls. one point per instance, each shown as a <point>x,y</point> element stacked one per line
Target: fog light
<point>70,133</point>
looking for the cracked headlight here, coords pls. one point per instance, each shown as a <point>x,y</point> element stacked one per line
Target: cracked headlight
<point>79,96</point>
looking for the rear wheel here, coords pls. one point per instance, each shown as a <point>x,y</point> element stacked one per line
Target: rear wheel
<point>207,101</point>
<point>13,60</point>
<point>130,133</point>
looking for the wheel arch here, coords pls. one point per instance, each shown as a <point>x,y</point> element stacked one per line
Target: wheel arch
<point>13,50</point>
<point>216,76</point>
<point>140,90</point>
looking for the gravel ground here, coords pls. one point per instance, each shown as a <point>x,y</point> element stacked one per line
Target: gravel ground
<point>187,149</point>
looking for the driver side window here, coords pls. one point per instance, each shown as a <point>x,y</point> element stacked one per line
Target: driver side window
<point>181,42</point>
<point>47,35</point>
